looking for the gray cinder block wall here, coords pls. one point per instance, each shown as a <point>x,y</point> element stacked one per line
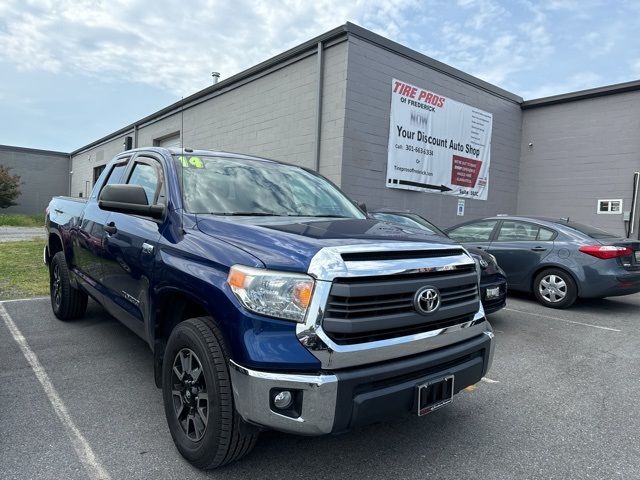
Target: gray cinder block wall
<point>43,174</point>
<point>371,69</point>
<point>271,111</point>
<point>581,151</point>
<point>270,114</point>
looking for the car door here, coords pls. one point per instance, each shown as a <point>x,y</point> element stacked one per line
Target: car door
<point>476,234</point>
<point>130,245</point>
<point>88,236</point>
<point>519,247</point>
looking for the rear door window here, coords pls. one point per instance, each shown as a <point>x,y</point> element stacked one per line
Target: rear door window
<point>544,234</point>
<point>515,231</point>
<point>474,232</point>
<point>113,176</point>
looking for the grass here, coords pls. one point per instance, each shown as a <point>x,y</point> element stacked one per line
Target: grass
<point>22,272</point>
<point>21,220</point>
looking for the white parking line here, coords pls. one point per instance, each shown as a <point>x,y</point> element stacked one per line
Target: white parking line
<point>564,320</point>
<point>94,469</point>
<point>23,299</point>
<point>489,380</point>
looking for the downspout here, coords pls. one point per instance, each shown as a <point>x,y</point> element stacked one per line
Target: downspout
<point>634,206</point>
<point>319,107</point>
<point>70,172</point>
<point>135,135</point>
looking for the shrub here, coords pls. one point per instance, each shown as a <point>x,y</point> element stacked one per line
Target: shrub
<point>9,187</point>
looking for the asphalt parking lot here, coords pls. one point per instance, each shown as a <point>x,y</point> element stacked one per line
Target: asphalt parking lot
<point>561,402</point>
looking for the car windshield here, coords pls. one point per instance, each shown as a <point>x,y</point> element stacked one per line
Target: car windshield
<point>409,220</point>
<point>588,230</point>
<point>236,186</point>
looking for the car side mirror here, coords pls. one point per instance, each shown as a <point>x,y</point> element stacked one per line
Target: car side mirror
<point>129,199</point>
<point>363,207</point>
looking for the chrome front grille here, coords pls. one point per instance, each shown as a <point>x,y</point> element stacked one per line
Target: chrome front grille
<point>369,308</point>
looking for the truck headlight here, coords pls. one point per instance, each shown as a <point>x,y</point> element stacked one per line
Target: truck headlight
<point>275,294</point>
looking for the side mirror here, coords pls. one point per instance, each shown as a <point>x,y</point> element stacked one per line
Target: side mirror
<point>363,207</point>
<point>130,199</point>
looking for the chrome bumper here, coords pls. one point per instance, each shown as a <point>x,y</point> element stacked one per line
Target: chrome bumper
<point>253,390</point>
<point>251,393</point>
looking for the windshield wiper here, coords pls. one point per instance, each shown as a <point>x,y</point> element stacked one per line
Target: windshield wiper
<point>273,214</point>
<point>246,214</point>
<point>321,216</point>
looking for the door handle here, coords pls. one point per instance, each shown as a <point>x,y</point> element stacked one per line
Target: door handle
<point>538,249</point>
<point>110,228</point>
<point>480,247</point>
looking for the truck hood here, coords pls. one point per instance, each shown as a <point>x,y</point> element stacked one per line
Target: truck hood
<point>282,243</point>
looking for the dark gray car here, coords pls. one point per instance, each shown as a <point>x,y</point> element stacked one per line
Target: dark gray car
<point>556,259</point>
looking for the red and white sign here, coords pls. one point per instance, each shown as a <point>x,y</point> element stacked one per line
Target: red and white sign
<point>436,144</point>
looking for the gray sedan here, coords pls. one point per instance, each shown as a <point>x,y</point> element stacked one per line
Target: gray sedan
<point>558,260</point>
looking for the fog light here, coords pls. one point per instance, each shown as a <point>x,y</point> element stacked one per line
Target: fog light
<point>283,400</point>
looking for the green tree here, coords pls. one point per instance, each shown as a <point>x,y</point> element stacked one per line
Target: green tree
<point>9,187</point>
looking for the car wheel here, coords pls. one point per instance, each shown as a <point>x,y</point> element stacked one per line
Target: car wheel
<point>198,399</point>
<point>67,302</point>
<point>555,288</point>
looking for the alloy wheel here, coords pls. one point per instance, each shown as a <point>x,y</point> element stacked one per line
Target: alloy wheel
<point>56,284</point>
<point>190,396</point>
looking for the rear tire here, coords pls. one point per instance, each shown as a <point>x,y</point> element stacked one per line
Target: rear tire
<point>555,288</point>
<point>67,302</point>
<point>206,429</point>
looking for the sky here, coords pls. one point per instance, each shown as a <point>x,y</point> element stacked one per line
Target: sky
<point>74,71</point>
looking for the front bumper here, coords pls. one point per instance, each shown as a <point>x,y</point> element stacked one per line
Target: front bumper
<point>332,402</point>
<point>492,305</point>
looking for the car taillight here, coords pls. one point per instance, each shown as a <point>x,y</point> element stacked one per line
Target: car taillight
<point>606,251</point>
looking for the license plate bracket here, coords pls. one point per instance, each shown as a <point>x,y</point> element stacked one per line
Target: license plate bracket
<point>637,255</point>
<point>435,394</point>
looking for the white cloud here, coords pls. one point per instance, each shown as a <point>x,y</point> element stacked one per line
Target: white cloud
<point>491,44</point>
<point>173,45</point>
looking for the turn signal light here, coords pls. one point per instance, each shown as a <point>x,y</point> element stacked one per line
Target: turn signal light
<point>303,292</point>
<point>236,278</point>
<point>606,251</point>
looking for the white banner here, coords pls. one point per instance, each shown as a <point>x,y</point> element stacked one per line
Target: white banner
<point>437,144</point>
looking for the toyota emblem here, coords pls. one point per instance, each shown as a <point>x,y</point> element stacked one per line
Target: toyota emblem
<point>427,300</point>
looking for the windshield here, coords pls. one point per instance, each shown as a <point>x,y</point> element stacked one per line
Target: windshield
<point>588,230</point>
<point>409,220</point>
<point>234,186</point>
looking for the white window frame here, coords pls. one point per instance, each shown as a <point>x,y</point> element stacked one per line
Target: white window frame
<point>609,202</point>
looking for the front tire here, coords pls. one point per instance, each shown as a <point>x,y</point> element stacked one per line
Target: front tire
<point>198,400</point>
<point>67,302</point>
<point>555,288</point>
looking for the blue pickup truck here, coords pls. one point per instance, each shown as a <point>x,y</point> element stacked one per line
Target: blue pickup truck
<point>269,299</point>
